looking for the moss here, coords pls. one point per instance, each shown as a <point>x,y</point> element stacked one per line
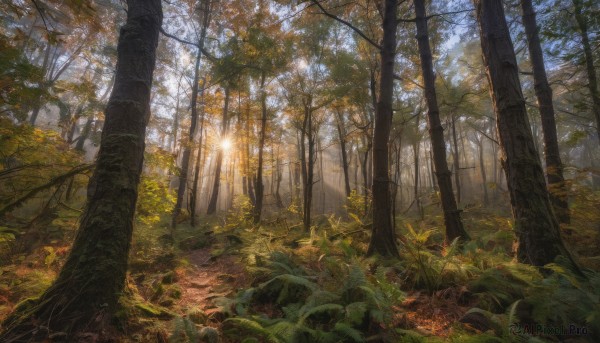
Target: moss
<point>150,310</point>
<point>193,243</point>
<point>174,292</point>
<point>197,316</point>
<point>169,278</point>
<point>209,334</point>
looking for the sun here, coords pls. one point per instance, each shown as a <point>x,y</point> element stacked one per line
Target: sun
<point>226,144</point>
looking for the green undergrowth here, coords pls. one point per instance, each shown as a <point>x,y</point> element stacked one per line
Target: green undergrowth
<point>318,285</point>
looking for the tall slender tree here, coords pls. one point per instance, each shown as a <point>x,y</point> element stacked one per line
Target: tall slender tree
<point>590,69</point>
<point>188,145</point>
<point>85,294</point>
<point>383,238</point>
<point>536,226</point>
<point>543,92</point>
<point>452,220</point>
<point>212,203</point>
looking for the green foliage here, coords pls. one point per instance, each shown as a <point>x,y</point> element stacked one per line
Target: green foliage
<point>561,299</point>
<point>17,77</point>
<point>499,287</point>
<point>431,270</point>
<point>355,204</point>
<point>31,158</point>
<point>155,198</point>
<point>184,330</point>
<point>311,306</point>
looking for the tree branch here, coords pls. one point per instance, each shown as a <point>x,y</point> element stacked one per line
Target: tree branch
<point>54,181</point>
<point>400,78</point>
<point>183,41</point>
<point>412,20</point>
<point>354,28</point>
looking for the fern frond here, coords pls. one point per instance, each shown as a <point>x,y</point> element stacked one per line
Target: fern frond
<point>253,327</point>
<point>348,332</point>
<point>355,312</point>
<point>306,312</point>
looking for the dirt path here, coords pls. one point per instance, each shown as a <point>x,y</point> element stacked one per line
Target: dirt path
<point>209,278</point>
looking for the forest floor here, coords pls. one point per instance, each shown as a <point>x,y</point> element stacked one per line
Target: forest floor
<point>209,277</point>
<point>231,281</point>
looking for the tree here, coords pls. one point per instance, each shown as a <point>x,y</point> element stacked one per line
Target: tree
<point>536,226</point>
<point>543,92</point>
<point>590,69</point>
<point>212,204</point>
<point>187,150</point>
<point>452,220</point>
<point>86,292</point>
<point>383,238</point>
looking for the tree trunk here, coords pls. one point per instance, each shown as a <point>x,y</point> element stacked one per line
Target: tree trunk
<point>249,176</point>
<point>536,226</point>
<point>279,173</point>
<point>342,137</point>
<point>589,62</point>
<point>85,133</point>
<point>308,166</point>
<point>383,237</point>
<point>197,184</point>
<point>455,159</point>
<point>85,294</point>
<point>365,174</point>
<point>319,152</point>
<point>452,220</point>
<point>486,198</point>
<point>212,204</point>
<point>260,187</point>
<point>187,149</point>
<point>554,167</point>
<point>417,198</point>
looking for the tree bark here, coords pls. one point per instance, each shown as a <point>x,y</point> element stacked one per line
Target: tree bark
<point>452,220</point>
<point>417,198</point>
<point>536,226</point>
<point>308,163</point>
<point>486,198</point>
<point>456,159</point>
<point>212,204</point>
<point>383,237</point>
<point>341,129</point>
<point>557,188</point>
<point>197,184</point>
<point>85,294</point>
<point>260,187</point>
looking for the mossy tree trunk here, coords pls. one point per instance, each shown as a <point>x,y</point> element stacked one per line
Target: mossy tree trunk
<point>86,292</point>
<point>536,226</point>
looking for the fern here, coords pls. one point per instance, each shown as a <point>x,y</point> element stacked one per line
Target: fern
<point>355,312</point>
<point>253,327</point>
<point>184,331</point>
<point>307,311</point>
<point>285,289</point>
<point>347,331</point>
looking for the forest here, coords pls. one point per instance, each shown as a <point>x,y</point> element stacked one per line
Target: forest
<point>300,171</point>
